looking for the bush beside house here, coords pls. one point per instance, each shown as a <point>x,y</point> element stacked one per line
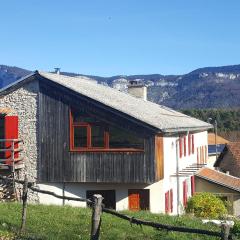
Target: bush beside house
<point>206,205</point>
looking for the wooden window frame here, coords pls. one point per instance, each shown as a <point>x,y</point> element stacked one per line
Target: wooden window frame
<point>89,147</point>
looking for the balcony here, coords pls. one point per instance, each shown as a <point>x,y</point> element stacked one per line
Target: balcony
<point>10,157</point>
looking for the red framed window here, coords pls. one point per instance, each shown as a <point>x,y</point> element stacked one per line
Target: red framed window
<point>192,185</point>
<point>185,193</point>
<point>192,144</point>
<point>87,133</point>
<point>171,200</point>
<point>167,202</point>
<point>180,147</point>
<point>203,156</point>
<point>189,144</point>
<point>197,156</point>
<point>185,146</point>
<point>206,154</point>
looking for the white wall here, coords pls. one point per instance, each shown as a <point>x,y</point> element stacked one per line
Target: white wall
<point>121,190</point>
<point>170,165</point>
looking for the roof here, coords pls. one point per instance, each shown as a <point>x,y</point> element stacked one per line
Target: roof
<point>234,149</point>
<point>160,117</point>
<point>219,178</point>
<point>220,140</point>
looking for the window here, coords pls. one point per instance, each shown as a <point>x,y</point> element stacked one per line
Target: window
<point>169,201</point>
<point>192,144</point>
<point>189,144</point>
<point>185,146</point>
<point>87,133</point>
<point>180,147</point>
<point>185,190</point>
<point>192,185</point>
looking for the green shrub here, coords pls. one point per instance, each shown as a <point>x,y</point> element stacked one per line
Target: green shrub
<point>206,205</point>
<point>236,229</point>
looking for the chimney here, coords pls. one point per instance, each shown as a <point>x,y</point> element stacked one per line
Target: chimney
<point>137,89</point>
<point>227,172</point>
<point>57,70</point>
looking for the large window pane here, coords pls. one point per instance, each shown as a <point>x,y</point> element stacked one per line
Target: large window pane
<point>123,139</point>
<point>82,116</point>
<point>80,136</point>
<point>97,133</point>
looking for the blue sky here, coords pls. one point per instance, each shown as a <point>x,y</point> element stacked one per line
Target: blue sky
<point>106,38</point>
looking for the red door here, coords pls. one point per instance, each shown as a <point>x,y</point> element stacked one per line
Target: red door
<point>138,199</point>
<point>134,200</point>
<point>10,132</point>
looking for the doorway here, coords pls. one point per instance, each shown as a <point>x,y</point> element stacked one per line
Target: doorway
<point>138,199</point>
<point>109,197</point>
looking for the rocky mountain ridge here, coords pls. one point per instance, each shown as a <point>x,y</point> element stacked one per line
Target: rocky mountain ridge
<point>210,87</point>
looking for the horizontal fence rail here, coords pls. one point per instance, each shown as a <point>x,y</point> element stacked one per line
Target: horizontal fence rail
<point>98,208</point>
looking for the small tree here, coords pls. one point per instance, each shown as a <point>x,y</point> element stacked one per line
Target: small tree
<point>206,205</point>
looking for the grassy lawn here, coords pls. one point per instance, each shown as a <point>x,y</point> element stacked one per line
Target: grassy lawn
<point>53,222</point>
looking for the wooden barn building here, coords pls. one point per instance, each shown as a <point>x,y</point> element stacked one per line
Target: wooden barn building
<point>80,138</point>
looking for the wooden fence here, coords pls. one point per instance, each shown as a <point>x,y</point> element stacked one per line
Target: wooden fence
<point>98,208</point>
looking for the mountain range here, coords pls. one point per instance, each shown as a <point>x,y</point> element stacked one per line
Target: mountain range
<point>209,87</point>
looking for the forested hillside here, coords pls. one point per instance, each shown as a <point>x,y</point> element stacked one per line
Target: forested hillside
<point>228,120</point>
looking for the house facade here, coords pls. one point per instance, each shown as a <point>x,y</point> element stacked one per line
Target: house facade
<point>223,185</point>
<point>229,159</point>
<point>82,138</point>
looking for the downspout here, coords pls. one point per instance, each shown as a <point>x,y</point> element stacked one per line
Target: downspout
<point>177,173</point>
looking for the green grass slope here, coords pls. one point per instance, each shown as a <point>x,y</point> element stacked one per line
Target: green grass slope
<point>54,222</point>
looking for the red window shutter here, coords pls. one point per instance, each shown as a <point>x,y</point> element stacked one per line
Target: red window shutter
<point>197,156</point>
<point>203,160</point>
<point>192,185</point>
<point>11,132</point>
<point>167,202</point>
<point>185,147</point>
<point>200,154</point>
<point>180,147</point>
<point>189,143</point>
<point>184,193</point>
<point>192,144</point>
<point>206,154</point>
<point>171,200</point>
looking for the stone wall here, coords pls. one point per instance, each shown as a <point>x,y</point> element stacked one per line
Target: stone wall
<point>24,103</point>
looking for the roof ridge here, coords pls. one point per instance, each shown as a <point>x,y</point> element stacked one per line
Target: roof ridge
<point>214,170</point>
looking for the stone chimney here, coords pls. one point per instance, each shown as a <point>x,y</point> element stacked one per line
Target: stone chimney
<point>57,70</point>
<point>137,89</point>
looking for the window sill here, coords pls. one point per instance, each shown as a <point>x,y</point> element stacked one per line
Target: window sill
<point>107,150</point>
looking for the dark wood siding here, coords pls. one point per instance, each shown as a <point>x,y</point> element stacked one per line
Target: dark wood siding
<point>58,164</point>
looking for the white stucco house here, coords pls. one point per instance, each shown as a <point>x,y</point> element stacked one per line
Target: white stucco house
<point>82,138</point>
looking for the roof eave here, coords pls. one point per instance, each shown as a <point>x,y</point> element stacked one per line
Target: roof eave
<point>186,129</point>
<point>219,183</point>
<point>15,84</point>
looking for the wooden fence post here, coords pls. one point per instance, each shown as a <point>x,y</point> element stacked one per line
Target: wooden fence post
<point>225,230</point>
<point>96,216</point>
<point>24,199</point>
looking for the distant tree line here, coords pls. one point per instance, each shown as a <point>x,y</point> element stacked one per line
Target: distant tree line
<point>227,119</point>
